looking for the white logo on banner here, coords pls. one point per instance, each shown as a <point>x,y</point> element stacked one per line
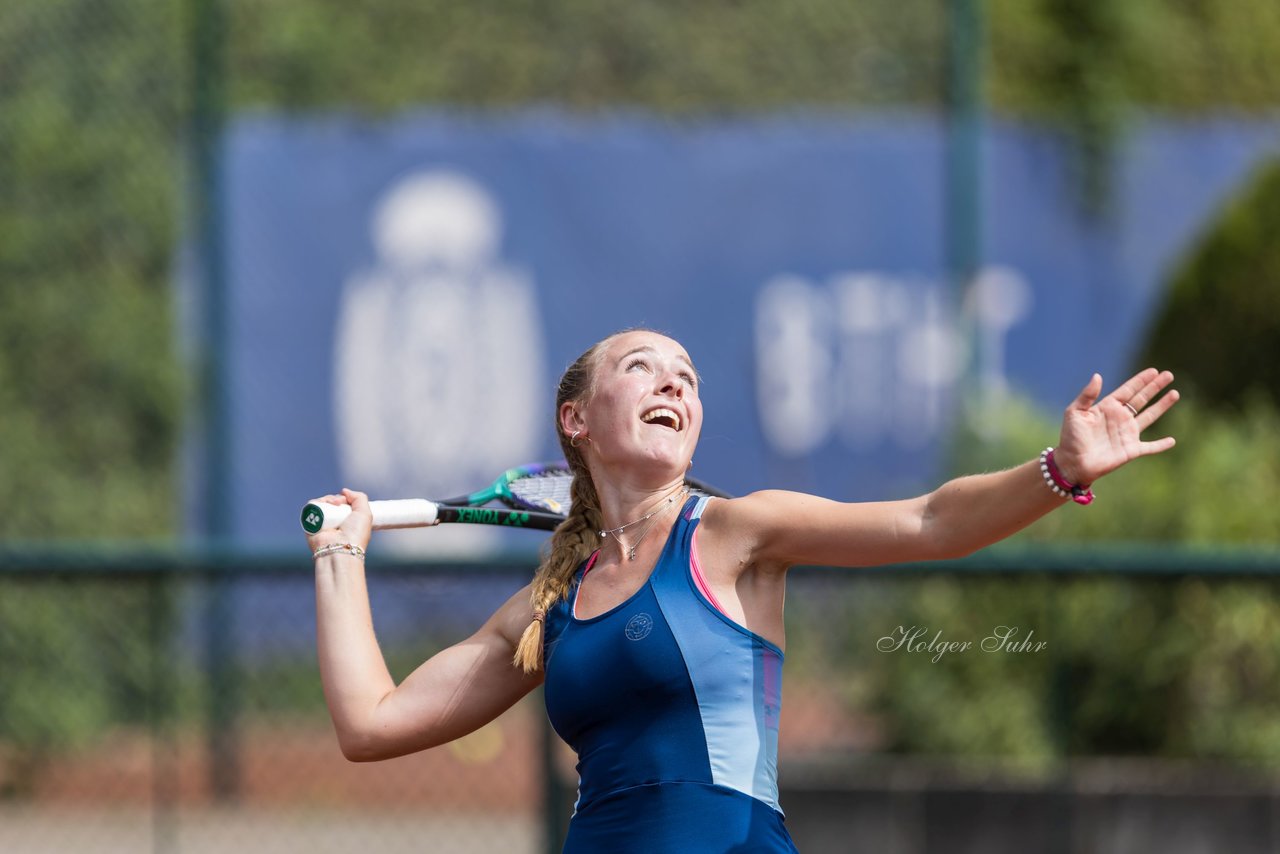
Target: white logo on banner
<point>439,356</point>
<point>870,358</point>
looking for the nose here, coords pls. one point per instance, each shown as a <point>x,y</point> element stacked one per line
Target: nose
<point>671,385</point>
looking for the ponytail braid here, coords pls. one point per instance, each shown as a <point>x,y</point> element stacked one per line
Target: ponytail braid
<point>578,535</point>
<point>572,543</point>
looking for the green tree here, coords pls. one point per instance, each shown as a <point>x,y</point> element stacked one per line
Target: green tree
<point>89,178</point>
<point>1219,328</point>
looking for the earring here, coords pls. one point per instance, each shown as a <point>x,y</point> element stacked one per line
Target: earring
<point>573,440</point>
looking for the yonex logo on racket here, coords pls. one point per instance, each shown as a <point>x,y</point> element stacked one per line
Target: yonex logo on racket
<point>489,516</point>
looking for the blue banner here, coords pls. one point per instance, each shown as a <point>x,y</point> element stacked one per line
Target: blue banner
<point>405,293</point>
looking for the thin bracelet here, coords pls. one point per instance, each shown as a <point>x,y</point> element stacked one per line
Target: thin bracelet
<point>1061,488</point>
<point>335,548</point>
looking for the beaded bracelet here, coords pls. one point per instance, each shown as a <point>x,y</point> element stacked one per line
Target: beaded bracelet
<point>1053,477</point>
<point>335,548</point>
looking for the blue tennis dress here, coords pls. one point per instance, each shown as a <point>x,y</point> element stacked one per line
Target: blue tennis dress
<point>672,709</point>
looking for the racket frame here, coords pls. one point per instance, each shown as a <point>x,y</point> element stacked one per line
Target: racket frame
<point>470,509</point>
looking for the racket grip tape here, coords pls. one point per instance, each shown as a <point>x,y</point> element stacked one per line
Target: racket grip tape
<point>396,513</point>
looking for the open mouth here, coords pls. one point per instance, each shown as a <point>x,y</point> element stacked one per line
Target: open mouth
<point>662,416</point>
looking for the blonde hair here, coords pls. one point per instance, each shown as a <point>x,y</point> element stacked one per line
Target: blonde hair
<point>578,535</point>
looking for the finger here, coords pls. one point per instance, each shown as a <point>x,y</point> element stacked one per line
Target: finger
<point>1157,446</point>
<point>1085,399</point>
<point>358,500</point>
<point>1125,393</point>
<point>1153,412</point>
<point>1148,392</point>
<point>329,499</point>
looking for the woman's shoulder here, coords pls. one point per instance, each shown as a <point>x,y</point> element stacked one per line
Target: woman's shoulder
<point>732,529</point>
<point>753,509</point>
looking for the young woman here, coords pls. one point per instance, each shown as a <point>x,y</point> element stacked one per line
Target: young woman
<point>655,619</point>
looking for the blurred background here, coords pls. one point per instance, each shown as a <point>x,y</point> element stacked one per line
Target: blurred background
<point>252,251</point>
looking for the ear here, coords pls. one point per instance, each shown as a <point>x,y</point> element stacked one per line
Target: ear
<point>571,418</point>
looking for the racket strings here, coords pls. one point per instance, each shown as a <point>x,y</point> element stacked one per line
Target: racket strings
<point>549,490</point>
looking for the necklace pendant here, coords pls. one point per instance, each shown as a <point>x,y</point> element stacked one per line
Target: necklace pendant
<point>631,553</point>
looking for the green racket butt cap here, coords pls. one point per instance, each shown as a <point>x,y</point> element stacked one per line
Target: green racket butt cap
<point>312,519</point>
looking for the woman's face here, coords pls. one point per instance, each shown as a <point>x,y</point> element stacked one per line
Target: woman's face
<point>644,412</point>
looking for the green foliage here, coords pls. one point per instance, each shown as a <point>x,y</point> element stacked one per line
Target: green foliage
<point>1086,66</point>
<point>1078,63</point>
<point>1071,58</point>
<point>1146,667</point>
<point>714,56</point>
<point>89,110</point>
<point>970,702</point>
<point>89,171</point>
<point>1219,328</point>
<point>78,656</point>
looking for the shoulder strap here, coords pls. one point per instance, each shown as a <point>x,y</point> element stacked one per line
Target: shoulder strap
<point>693,511</point>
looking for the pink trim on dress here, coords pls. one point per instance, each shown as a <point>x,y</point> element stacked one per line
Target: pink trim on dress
<point>698,578</point>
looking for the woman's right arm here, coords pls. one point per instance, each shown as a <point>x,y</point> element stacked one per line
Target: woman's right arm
<point>455,692</point>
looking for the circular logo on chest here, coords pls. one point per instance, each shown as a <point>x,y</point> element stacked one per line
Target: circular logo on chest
<point>639,626</point>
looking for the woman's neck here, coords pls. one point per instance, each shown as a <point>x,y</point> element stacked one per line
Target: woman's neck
<point>624,503</point>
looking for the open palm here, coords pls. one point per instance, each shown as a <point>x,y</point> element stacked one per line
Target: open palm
<point>1099,436</point>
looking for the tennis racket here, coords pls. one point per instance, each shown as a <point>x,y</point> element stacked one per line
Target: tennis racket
<point>533,496</point>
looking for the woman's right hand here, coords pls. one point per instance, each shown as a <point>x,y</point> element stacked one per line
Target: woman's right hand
<point>355,529</point>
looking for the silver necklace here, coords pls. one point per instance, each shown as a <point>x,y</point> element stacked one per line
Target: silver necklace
<point>651,516</point>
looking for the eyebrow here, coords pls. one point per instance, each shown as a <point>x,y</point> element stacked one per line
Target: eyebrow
<point>646,348</point>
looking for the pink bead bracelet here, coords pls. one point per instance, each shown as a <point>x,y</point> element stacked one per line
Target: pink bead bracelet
<point>1053,477</point>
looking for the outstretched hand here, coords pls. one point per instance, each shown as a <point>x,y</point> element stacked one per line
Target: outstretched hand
<point>1099,436</point>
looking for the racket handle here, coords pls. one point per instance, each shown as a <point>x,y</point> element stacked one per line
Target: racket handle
<point>396,513</point>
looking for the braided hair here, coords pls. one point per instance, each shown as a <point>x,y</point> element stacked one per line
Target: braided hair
<point>578,535</point>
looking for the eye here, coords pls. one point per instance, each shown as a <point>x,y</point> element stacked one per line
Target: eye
<point>690,379</point>
<point>638,362</point>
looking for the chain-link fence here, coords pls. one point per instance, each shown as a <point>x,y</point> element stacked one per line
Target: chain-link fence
<point>113,741</point>
<point>109,741</point>
<point>170,701</point>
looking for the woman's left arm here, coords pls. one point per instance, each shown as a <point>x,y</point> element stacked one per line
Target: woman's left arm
<point>779,529</point>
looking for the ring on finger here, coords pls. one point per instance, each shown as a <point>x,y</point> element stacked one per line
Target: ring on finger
<point>1129,406</point>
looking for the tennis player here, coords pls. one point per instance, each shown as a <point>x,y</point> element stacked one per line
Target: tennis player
<point>656,618</point>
